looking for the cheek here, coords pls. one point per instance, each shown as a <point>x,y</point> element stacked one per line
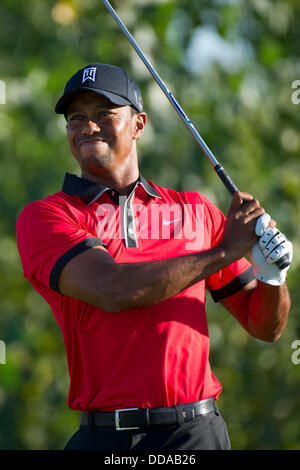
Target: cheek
<point>125,133</point>
<point>71,139</point>
<point>71,136</point>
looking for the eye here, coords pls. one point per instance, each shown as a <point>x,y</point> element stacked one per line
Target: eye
<point>104,113</point>
<point>75,117</point>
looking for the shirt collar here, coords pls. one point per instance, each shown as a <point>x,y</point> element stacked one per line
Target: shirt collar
<point>88,191</point>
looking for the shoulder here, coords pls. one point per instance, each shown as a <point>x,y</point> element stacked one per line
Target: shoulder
<point>58,204</point>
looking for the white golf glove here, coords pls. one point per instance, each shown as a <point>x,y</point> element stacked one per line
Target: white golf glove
<point>270,247</point>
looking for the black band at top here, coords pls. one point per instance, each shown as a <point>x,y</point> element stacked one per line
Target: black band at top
<point>66,257</point>
<point>233,286</point>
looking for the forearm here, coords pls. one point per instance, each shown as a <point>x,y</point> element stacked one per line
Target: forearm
<point>95,278</point>
<point>268,310</point>
<point>147,283</point>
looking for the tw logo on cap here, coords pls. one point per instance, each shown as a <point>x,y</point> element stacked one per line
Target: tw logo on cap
<point>89,74</point>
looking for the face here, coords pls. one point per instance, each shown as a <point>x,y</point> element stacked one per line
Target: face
<point>102,135</point>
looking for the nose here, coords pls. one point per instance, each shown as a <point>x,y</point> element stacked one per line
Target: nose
<point>90,127</point>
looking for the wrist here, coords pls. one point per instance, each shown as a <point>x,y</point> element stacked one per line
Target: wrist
<point>219,258</point>
<point>225,255</point>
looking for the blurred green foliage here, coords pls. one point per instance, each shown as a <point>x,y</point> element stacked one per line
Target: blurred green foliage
<point>238,94</point>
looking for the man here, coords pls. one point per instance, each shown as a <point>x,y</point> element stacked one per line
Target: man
<point>124,264</point>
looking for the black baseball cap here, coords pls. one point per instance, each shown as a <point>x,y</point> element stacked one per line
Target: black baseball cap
<point>106,80</point>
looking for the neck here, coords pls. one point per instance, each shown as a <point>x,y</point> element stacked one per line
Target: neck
<point>122,183</point>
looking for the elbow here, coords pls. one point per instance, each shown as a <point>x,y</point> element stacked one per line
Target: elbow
<point>113,301</point>
<point>112,292</point>
<point>109,307</point>
<point>274,337</point>
<point>119,302</point>
<point>270,337</point>
<point>118,293</point>
<point>110,304</point>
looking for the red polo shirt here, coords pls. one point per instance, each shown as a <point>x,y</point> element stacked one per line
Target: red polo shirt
<point>145,357</point>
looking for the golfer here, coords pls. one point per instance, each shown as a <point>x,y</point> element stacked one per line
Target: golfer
<point>124,265</point>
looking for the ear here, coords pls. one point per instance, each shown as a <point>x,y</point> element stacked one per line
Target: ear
<point>139,123</point>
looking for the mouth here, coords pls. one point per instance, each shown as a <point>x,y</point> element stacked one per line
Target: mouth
<point>91,142</point>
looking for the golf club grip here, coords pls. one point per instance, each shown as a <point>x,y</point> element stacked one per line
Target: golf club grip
<point>282,262</point>
<point>225,178</point>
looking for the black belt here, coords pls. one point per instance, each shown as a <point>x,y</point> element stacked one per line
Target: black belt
<point>135,418</point>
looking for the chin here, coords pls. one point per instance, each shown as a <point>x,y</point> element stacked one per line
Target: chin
<point>92,163</point>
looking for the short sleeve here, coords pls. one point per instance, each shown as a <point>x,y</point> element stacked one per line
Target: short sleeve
<point>47,238</point>
<point>230,280</point>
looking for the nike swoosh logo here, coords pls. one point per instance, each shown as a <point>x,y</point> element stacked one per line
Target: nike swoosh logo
<point>169,222</point>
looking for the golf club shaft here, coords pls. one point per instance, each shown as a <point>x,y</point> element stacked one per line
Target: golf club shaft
<point>228,183</point>
<point>218,168</point>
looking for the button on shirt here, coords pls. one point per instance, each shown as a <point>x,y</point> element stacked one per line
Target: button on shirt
<point>145,357</point>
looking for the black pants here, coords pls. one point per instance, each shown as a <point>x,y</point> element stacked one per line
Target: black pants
<point>206,432</point>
